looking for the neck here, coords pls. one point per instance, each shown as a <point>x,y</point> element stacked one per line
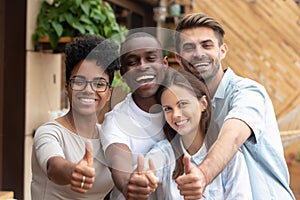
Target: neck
<point>82,126</point>
<point>193,142</point>
<point>147,104</point>
<point>213,83</point>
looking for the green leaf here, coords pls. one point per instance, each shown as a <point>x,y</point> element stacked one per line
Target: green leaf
<point>78,27</point>
<point>85,19</point>
<point>35,38</point>
<point>78,2</point>
<point>86,8</point>
<point>69,18</point>
<point>53,39</point>
<point>58,28</point>
<point>91,29</point>
<point>107,31</point>
<point>95,2</point>
<point>97,15</point>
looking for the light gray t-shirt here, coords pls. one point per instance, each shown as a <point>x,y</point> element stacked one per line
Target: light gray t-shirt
<point>53,139</point>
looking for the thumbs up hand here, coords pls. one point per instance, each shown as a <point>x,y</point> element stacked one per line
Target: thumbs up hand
<point>142,182</point>
<point>83,175</point>
<point>193,182</point>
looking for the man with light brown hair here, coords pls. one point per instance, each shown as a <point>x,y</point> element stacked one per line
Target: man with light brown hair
<point>243,113</point>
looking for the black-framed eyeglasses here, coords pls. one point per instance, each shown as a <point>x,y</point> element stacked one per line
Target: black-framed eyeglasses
<point>97,85</point>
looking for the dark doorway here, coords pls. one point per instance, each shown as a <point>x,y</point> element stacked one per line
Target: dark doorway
<point>12,94</point>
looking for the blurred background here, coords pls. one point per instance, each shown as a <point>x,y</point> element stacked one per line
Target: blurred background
<point>262,35</point>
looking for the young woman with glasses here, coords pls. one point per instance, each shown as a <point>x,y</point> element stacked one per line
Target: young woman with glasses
<point>67,159</point>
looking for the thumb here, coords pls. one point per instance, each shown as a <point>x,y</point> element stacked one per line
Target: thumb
<point>151,175</point>
<point>152,166</point>
<point>88,156</point>
<point>187,164</point>
<point>140,164</point>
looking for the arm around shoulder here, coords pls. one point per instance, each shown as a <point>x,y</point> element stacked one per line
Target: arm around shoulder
<point>233,134</point>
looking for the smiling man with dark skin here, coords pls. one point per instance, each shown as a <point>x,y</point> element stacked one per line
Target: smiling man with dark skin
<point>135,124</point>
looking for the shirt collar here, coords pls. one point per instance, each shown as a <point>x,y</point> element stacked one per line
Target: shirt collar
<point>220,93</point>
<point>198,157</point>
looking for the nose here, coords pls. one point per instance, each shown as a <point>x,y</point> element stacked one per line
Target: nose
<point>143,64</point>
<point>199,52</point>
<point>88,88</point>
<point>177,112</point>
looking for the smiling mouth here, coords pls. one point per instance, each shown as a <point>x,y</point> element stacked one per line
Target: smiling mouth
<point>145,79</point>
<point>87,100</point>
<point>201,65</point>
<point>181,123</point>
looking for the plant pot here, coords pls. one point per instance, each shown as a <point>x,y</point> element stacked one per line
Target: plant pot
<point>44,44</point>
<point>61,40</point>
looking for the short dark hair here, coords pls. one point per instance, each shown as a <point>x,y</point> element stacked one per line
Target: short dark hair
<point>137,35</point>
<point>92,47</point>
<point>195,20</point>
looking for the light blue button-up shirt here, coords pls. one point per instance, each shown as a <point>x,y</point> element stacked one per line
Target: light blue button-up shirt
<point>244,99</point>
<point>232,183</point>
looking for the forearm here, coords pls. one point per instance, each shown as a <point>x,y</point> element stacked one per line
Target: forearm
<point>120,179</point>
<point>120,161</point>
<point>60,170</point>
<point>232,136</point>
<point>218,158</point>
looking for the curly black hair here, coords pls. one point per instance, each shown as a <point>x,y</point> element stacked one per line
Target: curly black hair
<point>92,47</point>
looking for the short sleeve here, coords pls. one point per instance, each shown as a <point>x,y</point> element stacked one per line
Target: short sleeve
<point>47,144</point>
<point>111,133</point>
<point>248,104</point>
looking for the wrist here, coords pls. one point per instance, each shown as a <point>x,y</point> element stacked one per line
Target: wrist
<point>204,175</point>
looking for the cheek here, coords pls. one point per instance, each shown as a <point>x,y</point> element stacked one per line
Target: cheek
<point>185,57</point>
<point>105,97</point>
<point>168,117</point>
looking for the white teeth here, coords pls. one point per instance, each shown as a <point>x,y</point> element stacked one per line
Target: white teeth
<point>201,64</point>
<point>87,100</point>
<point>181,122</point>
<point>145,77</point>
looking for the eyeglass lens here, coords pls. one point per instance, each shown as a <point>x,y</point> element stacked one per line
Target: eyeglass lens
<point>98,85</point>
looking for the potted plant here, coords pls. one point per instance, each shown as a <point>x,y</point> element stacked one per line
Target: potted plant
<point>69,18</point>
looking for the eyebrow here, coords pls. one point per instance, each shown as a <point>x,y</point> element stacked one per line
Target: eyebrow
<point>79,76</point>
<point>95,78</point>
<point>179,101</point>
<point>201,42</point>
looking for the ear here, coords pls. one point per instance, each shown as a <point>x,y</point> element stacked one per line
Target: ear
<point>66,89</point>
<point>109,94</point>
<point>122,70</point>
<point>203,102</point>
<point>224,49</point>
<point>178,59</point>
<point>166,60</point>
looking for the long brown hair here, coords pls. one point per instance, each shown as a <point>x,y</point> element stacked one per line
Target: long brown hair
<point>198,88</point>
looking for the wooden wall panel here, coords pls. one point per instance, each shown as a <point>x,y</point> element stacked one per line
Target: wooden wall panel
<point>264,44</point>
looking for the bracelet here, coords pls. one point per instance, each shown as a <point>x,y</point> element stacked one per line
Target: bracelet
<point>206,180</point>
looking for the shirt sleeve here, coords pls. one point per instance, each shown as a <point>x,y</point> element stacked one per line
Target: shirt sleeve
<point>111,132</point>
<point>161,155</point>
<point>248,104</point>
<point>47,145</point>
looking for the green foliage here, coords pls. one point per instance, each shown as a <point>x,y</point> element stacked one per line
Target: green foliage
<point>119,82</point>
<point>72,18</point>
